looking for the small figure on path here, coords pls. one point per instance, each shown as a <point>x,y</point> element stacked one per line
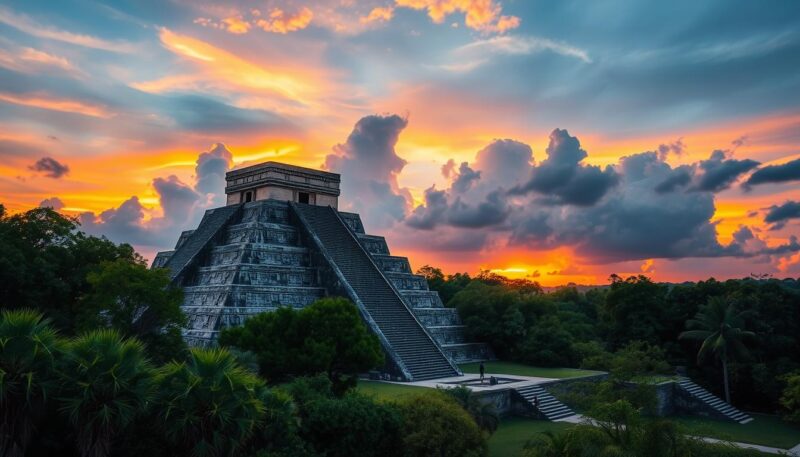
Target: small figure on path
<point>483,372</point>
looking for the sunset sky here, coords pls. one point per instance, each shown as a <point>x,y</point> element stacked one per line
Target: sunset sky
<point>556,140</point>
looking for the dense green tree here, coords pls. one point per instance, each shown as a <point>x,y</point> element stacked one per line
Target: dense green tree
<point>790,400</point>
<point>137,302</point>
<point>29,349</point>
<point>106,382</point>
<point>436,425</point>
<point>719,325</point>
<point>352,425</point>
<point>209,405</point>
<point>327,336</point>
<point>45,262</point>
<point>447,287</point>
<point>633,310</point>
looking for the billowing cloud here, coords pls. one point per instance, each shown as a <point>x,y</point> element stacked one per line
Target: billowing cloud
<point>53,202</point>
<point>789,171</point>
<point>369,167</point>
<point>715,174</point>
<point>718,172</point>
<point>50,167</point>
<point>210,172</point>
<point>181,206</point>
<point>482,15</point>
<point>563,178</point>
<point>779,215</point>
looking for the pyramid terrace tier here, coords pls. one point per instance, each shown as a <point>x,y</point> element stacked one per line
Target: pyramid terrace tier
<point>257,275</point>
<point>468,352</point>
<point>437,316</point>
<point>249,296</point>
<point>407,281</point>
<point>422,299</point>
<point>392,264</point>
<point>266,211</point>
<point>375,245</point>
<point>262,232</point>
<point>259,254</point>
<point>448,334</point>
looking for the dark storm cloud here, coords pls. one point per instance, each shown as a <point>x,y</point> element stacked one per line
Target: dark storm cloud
<point>465,177</point>
<point>789,171</point>
<point>718,173</point>
<point>562,177</point>
<point>779,215</point>
<point>369,167</point>
<point>53,202</point>
<point>679,177</point>
<point>50,167</point>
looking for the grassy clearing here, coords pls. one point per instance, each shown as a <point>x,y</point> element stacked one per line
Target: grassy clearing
<point>493,368</point>
<point>764,430</point>
<point>514,432</point>
<point>387,391</point>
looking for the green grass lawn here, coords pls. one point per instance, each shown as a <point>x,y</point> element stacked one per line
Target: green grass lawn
<point>514,432</point>
<point>387,391</point>
<point>764,430</point>
<point>493,368</point>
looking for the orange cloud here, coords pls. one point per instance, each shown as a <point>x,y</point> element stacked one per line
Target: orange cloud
<point>378,14</point>
<point>219,67</point>
<point>280,22</point>
<point>482,15</point>
<point>236,25</point>
<point>48,102</point>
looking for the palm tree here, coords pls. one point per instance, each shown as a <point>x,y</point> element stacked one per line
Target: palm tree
<point>719,326</point>
<point>28,348</point>
<point>107,382</point>
<point>210,404</point>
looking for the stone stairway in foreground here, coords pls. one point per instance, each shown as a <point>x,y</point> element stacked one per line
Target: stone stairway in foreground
<point>443,324</point>
<point>716,404</point>
<point>416,352</point>
<point>549,406</point>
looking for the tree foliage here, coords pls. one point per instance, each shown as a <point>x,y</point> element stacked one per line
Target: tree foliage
<point>209,405</point>
<point>327,336</point>
<point>435,424</point>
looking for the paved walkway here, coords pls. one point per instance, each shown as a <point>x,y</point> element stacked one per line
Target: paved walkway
<point>471,380</point>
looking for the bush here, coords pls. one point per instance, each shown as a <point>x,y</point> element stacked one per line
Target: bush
<point>434,424</point>
<point>790,400</point>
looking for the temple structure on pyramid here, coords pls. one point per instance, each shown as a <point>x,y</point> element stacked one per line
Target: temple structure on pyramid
<point>281,241</point>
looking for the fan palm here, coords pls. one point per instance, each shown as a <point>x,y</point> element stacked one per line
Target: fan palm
<point>107,383</point>
<point>209,404</point>
<point>719,325</point>
<point>28,348</point>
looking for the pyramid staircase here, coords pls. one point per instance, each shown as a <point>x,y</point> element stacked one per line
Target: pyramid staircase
<point>549,406</point>
<point>416,353</point>
<point>716,404</point>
